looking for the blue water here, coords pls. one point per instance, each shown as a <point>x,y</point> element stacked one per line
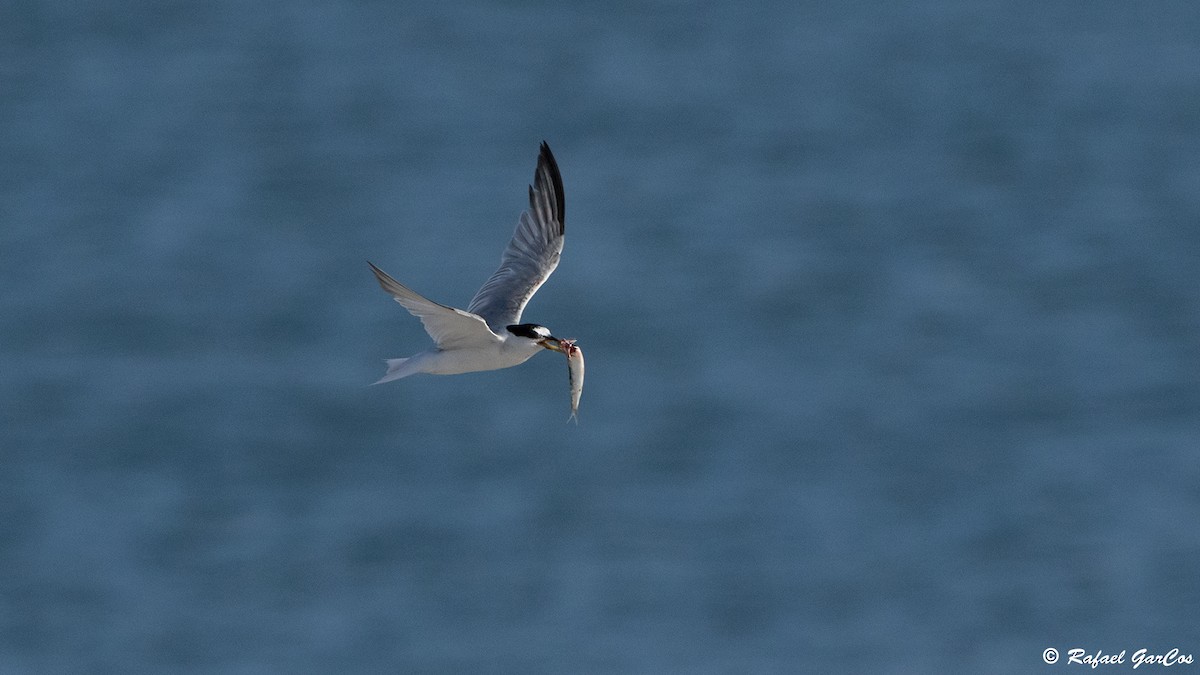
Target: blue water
<point>891,311</point>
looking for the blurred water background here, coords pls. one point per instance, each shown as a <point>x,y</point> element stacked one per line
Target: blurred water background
<point>891,313</point>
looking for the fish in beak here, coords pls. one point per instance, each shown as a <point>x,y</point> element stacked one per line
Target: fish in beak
<point>552,343</point>
<point>575,373</point>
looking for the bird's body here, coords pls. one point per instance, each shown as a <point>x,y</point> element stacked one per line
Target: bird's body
<point>487,336</point>
<point>500,353</point>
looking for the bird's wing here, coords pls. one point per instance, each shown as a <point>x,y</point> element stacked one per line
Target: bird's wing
<point>450,328</point>
<point>531,255</point>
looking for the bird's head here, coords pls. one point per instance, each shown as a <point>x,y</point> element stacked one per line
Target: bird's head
<point>539,334</point>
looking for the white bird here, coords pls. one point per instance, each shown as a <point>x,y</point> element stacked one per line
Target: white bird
<point>489,335</point>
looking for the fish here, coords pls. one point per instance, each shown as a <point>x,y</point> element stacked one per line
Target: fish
<point>574,374</point>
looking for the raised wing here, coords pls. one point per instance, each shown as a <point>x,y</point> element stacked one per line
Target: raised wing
<point>531,255</point>
<point>450,328</point>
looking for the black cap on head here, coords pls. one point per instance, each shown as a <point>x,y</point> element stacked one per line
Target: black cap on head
<point>529,330</point>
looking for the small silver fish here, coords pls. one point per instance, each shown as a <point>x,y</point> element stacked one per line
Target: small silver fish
<point>575,374</point>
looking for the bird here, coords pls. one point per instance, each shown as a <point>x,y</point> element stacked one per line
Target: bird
<point>489,334</point>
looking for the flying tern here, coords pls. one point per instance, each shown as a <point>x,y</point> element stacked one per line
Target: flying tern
<point>489,334</point>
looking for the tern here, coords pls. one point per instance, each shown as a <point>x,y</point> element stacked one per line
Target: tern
<point>489,334</point>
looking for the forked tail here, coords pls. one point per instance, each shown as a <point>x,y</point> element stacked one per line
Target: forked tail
<point>397,368</point>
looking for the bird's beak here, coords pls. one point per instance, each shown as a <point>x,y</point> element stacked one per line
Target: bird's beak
<point>552,343</point>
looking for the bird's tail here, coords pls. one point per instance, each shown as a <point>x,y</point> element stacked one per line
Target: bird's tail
<point>398,368</point>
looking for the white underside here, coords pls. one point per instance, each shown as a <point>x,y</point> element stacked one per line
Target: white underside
<point>455,361</point>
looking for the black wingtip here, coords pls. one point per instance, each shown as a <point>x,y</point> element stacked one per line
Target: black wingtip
<point>548,168</point>
<point>382,277</point>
